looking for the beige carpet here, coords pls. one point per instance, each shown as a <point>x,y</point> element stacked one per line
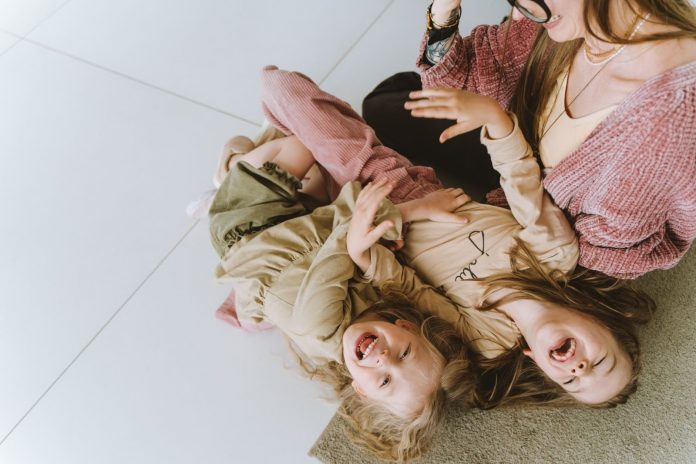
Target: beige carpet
<point>658,424</point>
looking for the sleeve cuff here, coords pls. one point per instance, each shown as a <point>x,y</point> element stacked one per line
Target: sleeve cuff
<point>442,73</point>
<point>512,147</point>
<point>369,275</point>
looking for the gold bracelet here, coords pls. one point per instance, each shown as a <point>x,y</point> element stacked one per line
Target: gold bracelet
<point>430,22</point>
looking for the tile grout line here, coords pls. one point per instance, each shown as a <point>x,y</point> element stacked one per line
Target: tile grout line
<point>136,80</point>
<point>23,37</point>
<point>19,40</point>
<point>357,41</point>
<point>169,92</point>
<point>103,327</point>
<point>125,76</point>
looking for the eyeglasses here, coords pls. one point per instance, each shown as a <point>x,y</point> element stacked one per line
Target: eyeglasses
<point>536,10</point>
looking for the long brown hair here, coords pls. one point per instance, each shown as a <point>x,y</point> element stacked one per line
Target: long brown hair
<point>548,59</point>
<point>372,425</point>
<point>513,377</point>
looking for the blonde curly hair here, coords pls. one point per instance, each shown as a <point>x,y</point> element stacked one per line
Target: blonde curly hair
<point>375,427</point>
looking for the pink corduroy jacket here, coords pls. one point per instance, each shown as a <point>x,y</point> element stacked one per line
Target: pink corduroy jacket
<point>629,189</point>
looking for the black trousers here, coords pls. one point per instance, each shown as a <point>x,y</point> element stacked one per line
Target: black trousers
<point>459,162</point>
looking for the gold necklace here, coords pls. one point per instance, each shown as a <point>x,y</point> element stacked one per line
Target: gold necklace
<point>598,58</point>
<point>604,63</point>
<point>599,54</point>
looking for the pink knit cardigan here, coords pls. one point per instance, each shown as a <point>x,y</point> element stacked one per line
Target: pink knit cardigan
<point>629,190</point>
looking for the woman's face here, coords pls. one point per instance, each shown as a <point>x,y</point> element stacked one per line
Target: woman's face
<point>566,21</point>
<point>391,364</point>
<point>579,353</point>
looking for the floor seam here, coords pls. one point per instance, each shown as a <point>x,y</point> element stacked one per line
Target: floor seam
<point>99,332</point>
<point>23,37</point>
<point>141,82</point>
<point>356,42</point>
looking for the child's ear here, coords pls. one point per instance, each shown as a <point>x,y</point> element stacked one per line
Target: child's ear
<point>528,352</point>
<point>358,390</point>
<point>408,325</point>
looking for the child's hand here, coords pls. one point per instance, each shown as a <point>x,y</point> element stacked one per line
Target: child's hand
<point>362,233</point>
<point>470,110</point>
<point>437,206</point>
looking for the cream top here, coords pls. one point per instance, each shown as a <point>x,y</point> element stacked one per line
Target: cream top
<point>452,257</point>
<point>566,134</point>
<point>299,276</point>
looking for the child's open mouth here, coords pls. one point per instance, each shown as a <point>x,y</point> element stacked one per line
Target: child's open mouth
<point>366,342</point>
<point>564,351</point>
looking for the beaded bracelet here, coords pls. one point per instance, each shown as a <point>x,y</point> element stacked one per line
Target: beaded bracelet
<point>430,23</point>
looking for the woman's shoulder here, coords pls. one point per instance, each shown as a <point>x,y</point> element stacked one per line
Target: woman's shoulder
<point>655,125</point>
<point>647,139</point>
<point>659,67</point>
<point>681,77</point>
<point>665,100</point>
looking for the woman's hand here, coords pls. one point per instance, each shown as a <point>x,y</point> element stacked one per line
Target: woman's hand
<point>437,206</point>
<point>470,110</point>
<point>362,233</point>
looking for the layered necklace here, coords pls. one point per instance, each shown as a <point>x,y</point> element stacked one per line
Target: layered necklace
<point>608,56</point>
<point>599,58</point>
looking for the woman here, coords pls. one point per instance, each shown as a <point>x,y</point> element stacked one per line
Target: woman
<point>605,91</point>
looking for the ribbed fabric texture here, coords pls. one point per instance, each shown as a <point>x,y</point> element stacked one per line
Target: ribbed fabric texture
<point>488,62</point>
<point>629,190</point>
<point>340,140</point>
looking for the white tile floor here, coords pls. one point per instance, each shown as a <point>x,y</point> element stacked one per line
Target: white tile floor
<point>7,41</point>
<point>112,114</point>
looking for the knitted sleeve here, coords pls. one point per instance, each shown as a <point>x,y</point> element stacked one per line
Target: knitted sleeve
<point>488,62</point>
<point>629,245</point>
<point>648,220</point>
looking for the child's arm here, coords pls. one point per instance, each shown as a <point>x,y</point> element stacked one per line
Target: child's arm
<point>438,206</point>
<point>384,268</point>
<point>474,62</point>
<point>544,227</point>
<point>362,233</point>
<point>323,306</point>
<point>379,265</point>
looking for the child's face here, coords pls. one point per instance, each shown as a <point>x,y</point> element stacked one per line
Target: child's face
<point>580,354</point>
<point>391,363</point>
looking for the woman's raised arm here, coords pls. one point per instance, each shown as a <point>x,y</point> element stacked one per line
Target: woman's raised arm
<point>485,62</point>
